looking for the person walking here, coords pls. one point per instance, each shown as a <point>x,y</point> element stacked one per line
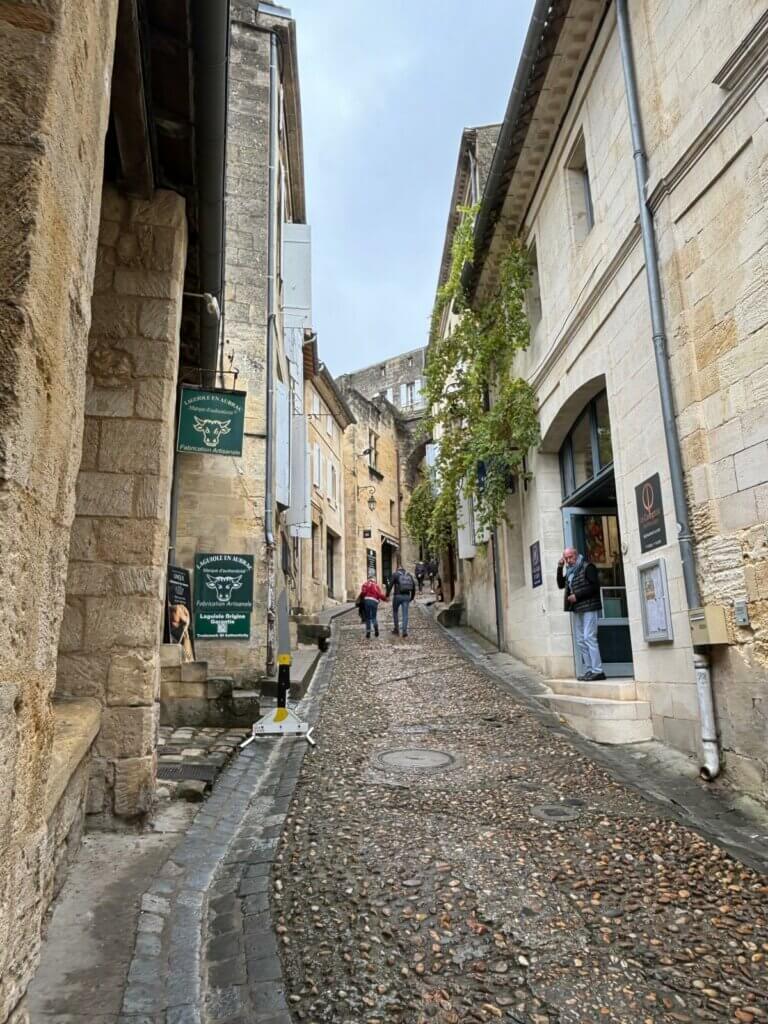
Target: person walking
<point>421,572</point>
<point>404,586</point>
<point>432,573</point>
<point>578,578</point>
<point>370,595</point>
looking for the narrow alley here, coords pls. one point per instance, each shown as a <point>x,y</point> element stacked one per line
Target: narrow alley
<point>449,857</point>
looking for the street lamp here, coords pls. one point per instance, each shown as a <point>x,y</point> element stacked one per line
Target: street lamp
<point>371,491</point>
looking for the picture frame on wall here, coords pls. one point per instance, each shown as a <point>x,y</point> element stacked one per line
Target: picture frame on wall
<point>654,602</point>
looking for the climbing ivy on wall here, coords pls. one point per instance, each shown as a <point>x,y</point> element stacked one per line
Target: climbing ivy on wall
<point>484,416</point>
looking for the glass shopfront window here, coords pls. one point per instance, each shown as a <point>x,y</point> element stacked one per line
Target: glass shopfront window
<point>587,451</point>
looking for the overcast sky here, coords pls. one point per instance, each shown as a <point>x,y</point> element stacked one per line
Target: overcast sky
<point>386,90</point>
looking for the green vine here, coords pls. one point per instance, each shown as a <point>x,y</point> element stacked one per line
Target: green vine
<point>418,515</point>
<point>483,416</point>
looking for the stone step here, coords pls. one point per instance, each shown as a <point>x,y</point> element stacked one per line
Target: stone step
<point>194,671</point>
<point>603,689</point>
<point>596,708</point>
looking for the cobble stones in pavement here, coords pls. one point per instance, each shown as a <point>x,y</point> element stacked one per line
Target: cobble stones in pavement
<point>460,895</point>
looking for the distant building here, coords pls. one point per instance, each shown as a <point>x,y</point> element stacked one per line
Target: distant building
<point>321,575</point>
<point>399,382</point>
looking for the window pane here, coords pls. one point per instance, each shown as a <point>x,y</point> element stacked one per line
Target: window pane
<point>581,439</point>
<point>603,431</point>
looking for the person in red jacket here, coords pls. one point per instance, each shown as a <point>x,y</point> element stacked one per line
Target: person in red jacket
<point>370,595</point>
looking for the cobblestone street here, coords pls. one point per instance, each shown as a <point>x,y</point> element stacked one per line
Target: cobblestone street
<point>450,857</point>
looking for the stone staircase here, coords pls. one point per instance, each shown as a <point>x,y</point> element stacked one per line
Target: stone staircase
<point>606,711</point>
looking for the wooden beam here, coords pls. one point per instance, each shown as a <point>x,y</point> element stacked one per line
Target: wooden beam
<point>129,108</point>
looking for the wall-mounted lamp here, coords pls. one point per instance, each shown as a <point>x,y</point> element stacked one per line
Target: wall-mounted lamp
<point>371,491</point>
<point>211,302</point>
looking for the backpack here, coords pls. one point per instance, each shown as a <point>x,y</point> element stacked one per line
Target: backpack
<point>404,583</point>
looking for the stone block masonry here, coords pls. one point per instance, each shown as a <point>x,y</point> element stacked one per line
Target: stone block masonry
<point>55,59</point>
<point>110,639</point>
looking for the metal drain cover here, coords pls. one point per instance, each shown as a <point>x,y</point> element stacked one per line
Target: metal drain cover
<point>414,759</point>
<point>201,772</point>
<point>555,813</point>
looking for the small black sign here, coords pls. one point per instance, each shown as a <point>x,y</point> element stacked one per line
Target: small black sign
<point>367,534</point>
<point>536,576</point>
<point>650,514</point>
<point>178,620</point>
<point>371,560</point>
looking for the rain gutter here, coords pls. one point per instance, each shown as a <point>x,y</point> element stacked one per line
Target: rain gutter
<point>711,752</point>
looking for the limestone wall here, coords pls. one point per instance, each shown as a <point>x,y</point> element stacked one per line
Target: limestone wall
<point>383,521</point>
<point>109,646</point>
<point>708,149</point>
<point>55,59</point>
<point>221,500</point>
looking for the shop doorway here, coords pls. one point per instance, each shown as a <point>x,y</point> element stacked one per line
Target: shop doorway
<point>330,556</point>
<point>595,533</point>
<point>591,525</point>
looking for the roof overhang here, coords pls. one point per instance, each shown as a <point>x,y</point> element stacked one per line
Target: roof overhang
<point>560,38</point>
<point>332,396</point>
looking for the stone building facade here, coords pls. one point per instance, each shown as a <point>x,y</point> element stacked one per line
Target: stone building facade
<point>566,185</point>
<point>322,566</point>
<point>400,382</point>
<point>222,501</point>
<point>112,294</point>
<point>372,489</point>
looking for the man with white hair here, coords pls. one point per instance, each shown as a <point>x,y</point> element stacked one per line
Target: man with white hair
<point>578,578</point>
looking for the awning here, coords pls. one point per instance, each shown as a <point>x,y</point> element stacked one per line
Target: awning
<point>392,541</point>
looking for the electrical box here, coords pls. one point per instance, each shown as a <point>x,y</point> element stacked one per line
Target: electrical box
<point>741,613</point>
<point>708,625</point>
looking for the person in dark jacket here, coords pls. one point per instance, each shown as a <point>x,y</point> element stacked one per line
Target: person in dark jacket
<point>421,572</point>
<point>404,586</point>
<point>578,578</point>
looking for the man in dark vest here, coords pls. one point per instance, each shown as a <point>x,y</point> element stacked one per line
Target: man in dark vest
<point>578,578</point>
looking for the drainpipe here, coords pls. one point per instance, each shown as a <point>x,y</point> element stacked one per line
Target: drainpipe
<point>496,585</point>
<point>269,536</point>
<point>210,42</point>
<point>711,767</point>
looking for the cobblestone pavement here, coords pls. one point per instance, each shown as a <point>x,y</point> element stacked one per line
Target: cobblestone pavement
<point>449,857</point>
<point>190,759</point>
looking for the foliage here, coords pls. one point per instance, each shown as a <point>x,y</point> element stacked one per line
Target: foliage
<point>484,417</point>
<point>418,515</point>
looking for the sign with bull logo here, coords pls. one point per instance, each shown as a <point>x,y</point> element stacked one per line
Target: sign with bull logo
<point>223,596</point>
<point>211,422</point>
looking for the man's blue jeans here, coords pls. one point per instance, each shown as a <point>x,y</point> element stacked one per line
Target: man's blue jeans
<point>401,601</point>
<point>585,635</point>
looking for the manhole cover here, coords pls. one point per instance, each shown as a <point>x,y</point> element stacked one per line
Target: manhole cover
<point>414,759</point>
<point>201,772</point>
<point>554,813</point>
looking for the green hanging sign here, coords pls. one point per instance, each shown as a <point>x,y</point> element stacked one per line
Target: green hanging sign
<point>223,596</point>
<point>211,422</point>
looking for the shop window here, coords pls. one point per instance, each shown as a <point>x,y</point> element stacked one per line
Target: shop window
<point>604,444</point>
<point>580,191</point>
<point>581,446</point>
<point>587,450</point>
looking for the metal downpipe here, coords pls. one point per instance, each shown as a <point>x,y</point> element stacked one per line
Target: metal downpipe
<point>711,767</point>
<point>272,228</point>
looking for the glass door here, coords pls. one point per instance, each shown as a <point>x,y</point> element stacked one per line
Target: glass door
<point>594,532</point>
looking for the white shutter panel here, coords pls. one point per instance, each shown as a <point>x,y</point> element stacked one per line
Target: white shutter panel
<point>316,474</point>
<point>299,517</point>
<point>465,531</point>
<point>283,444</point>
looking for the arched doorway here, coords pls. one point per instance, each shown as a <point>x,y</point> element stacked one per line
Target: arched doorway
<point>591,525</point>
